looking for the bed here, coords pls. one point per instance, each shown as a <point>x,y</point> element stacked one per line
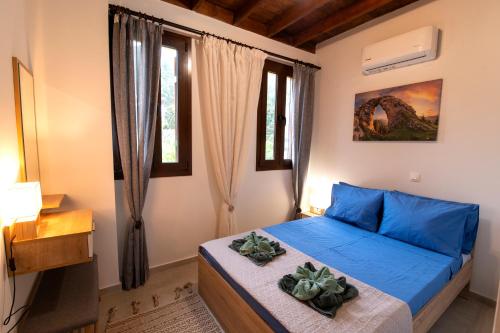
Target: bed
<point>403,287</point>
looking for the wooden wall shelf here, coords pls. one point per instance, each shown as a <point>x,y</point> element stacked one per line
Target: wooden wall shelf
<point>52,201</point>
<point>63,238</point>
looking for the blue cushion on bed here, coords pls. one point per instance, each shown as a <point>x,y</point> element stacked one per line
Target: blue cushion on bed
<point>432,224</point>
<point>347,184</point>
<point>356,205</point>
<point>471,222</point>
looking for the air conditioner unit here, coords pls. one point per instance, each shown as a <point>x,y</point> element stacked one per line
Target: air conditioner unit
<point>404,50</point>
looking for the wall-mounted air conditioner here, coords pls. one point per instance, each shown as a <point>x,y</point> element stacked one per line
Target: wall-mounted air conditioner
<point>404,50</point>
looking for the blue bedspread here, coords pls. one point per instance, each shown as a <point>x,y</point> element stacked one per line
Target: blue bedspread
<point>412,274</point>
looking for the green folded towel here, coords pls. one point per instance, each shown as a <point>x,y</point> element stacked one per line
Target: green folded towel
<point>318,289</point>
<point>311,282</point>
<point>258,249</point>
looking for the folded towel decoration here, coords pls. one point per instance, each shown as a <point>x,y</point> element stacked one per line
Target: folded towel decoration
<point>258,249</point>
<point>318,289</point>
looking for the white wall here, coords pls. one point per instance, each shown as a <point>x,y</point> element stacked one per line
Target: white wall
<point>463,164</point>
<point>14,43</point>
<point>69,42</point>
<point>180,212</point>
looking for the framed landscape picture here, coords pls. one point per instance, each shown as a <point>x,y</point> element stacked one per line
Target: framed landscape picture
<point>404,113</point>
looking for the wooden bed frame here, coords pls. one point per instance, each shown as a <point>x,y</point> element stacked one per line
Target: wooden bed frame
<point>235,315</point>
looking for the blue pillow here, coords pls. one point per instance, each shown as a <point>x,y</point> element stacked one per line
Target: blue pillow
<point>471,223</point>
<point>347,184</point>
<point>381,211</point>
<point>356,205</point>
<point>432,224</point>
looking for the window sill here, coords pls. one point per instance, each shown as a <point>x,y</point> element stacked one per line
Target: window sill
<point>272,168</point>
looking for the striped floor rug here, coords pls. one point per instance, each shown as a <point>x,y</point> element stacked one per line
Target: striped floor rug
<point>188,314</point>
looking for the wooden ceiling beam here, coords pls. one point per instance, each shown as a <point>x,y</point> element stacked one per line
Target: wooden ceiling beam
<point>294,14</point>
<point>195,4</point>
<point>245,10</point>
<point>181,3</point>
<point>254,26</point>
<point>209,8</point>
<point>213,10</point>
<point>344,16</point>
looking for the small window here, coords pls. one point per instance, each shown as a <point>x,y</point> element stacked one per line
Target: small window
<point>272,90</point>
<point>172,156</point>
<point>275,116</point>
<point>172,152</point>
<point>169,115</point>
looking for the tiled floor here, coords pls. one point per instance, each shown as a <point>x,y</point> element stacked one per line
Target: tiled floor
<point>161,282</point>
<point>465,315</point>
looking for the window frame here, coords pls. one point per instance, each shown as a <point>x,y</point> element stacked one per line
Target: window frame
<point>282,71</point>
<point>184,165</point>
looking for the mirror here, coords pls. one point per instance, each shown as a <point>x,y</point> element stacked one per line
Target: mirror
<point>24,94</point>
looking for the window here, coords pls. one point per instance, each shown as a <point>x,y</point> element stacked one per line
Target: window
<point>172,155</point>
<point>172,152</point>
<point>274,119</point>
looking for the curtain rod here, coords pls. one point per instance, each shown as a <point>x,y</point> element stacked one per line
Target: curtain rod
<point>114,9</point>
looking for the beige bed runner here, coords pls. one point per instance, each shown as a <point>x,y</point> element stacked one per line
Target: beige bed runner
<point>371,311</point>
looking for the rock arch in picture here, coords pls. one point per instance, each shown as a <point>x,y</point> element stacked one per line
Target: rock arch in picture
<point>401,118</point>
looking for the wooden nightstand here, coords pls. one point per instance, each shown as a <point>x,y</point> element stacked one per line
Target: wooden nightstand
<point>307,214</point>
<point>63,238</point>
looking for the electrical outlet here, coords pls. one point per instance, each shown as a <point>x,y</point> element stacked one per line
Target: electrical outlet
<point>415,177</point>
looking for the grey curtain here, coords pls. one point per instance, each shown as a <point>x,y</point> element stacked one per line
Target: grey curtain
<point>136,56</point>
<point>303,97</point>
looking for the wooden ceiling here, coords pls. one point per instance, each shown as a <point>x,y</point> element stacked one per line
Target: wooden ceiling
<point>300,23</point>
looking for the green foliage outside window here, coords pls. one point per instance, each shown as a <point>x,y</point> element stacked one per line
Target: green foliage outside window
<point>169,137</point>
<point>270,115</point>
